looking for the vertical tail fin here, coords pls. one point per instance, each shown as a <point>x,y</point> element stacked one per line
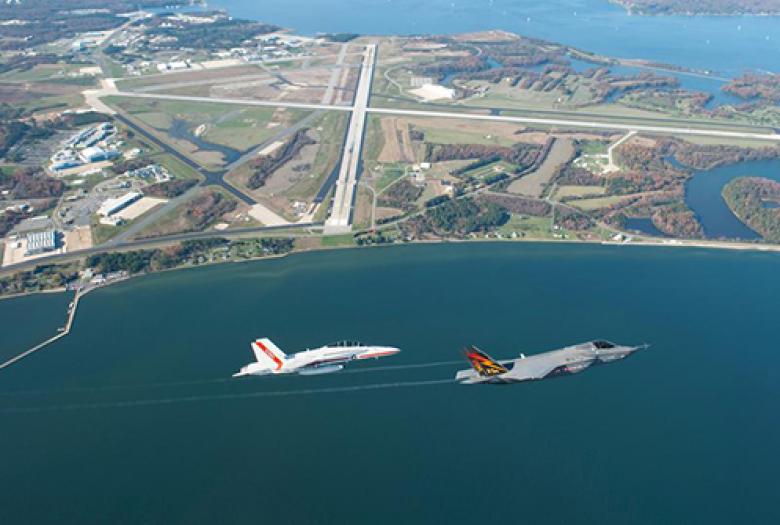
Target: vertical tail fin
<point>268,353</point>
<point>483,363</point>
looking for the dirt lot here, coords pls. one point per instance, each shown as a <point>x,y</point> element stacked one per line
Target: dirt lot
<point>397,146</point>
<point>140,207</point>
<point>78,239</point>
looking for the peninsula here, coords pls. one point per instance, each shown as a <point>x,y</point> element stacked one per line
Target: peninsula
<point>135,142</point>
<point>701,7</point>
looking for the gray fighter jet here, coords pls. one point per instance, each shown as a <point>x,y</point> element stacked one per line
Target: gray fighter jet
<point>569,360</point>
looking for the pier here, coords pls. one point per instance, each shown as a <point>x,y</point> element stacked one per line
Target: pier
<point>64,330</point>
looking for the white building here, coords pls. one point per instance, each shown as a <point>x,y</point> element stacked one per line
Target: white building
<point>97,154</point>
<point>112,206</point>
<point>39,242</point>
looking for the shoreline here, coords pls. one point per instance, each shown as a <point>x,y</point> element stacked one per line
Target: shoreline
<point>671,243</point>
<point>80,293</point>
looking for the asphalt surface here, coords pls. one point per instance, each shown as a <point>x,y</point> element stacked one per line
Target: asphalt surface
<point>157,241</point>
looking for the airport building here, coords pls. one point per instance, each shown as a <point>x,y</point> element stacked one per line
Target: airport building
<point>112,206</point>
<point>40,242</point>
<point>65,165</point>
<point>96,154</point>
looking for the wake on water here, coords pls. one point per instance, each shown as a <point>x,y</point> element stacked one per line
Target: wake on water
<point>221,397</point>
<point>213,397</point>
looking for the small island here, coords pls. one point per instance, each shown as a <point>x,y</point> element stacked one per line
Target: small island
<point>756,201</point>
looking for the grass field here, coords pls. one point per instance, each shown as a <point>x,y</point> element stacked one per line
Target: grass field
<point>42,72</point>
<point>454,136</point>
<point>176,168</point>
<point>597,203</point>
<point>239,127</point>
<point>593,147</point>
<point>528,227</point>
<point>578,191</point>
<point>389,174</point>
<point>331,129</point>
<point>491,169</point>
<point>374,140</point>
<point>331,241</point>
<point>248,127</point>
<point>103,232</point>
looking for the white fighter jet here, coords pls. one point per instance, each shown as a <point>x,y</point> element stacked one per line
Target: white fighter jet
<point>323,360</point>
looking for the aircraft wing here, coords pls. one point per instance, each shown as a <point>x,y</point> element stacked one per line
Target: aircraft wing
<point>535,367</point>
<point>318,370</point>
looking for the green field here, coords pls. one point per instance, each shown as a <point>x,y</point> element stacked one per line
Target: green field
<point>449,136</point>
<point>578,191</point>
<point>593,147</point>
<point>331,129</point>
<point>597,203</point>
<point>235,126</point>
<point>42,72</point>
<point>331,241</point>
<point>489,170</point>
<point>176,167</point>
<point>374,140</point>
<point>529,227</point>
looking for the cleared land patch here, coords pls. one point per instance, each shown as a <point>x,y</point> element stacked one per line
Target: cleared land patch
<point>534,183</point>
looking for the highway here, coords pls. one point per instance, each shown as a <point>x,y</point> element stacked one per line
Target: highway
<point>341,212</point>
<point>158,241</point>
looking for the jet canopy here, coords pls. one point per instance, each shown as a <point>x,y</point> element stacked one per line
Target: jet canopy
<point>603,344</point>
<point>345,344</point>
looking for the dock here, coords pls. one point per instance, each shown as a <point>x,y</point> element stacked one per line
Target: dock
<point>63,331</point>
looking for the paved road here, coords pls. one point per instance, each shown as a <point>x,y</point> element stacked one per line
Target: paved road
<point>158,241</point>
<point>211,177</point>
<point>340,218</point>
<point>348,170</point>
<point>573,123</point>
<point>773,137</point>
<point>239,101</point>
<point>335,75</point>
<point>578,114</point>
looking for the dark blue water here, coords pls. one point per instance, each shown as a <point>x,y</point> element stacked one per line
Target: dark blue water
<point>703,195</point>
<point>725,45</point>
<point>685,432</point>
<point>643,225</point>
<point>27,321</point>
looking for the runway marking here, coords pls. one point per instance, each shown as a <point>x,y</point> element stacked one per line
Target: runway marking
<point>221,397</point>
